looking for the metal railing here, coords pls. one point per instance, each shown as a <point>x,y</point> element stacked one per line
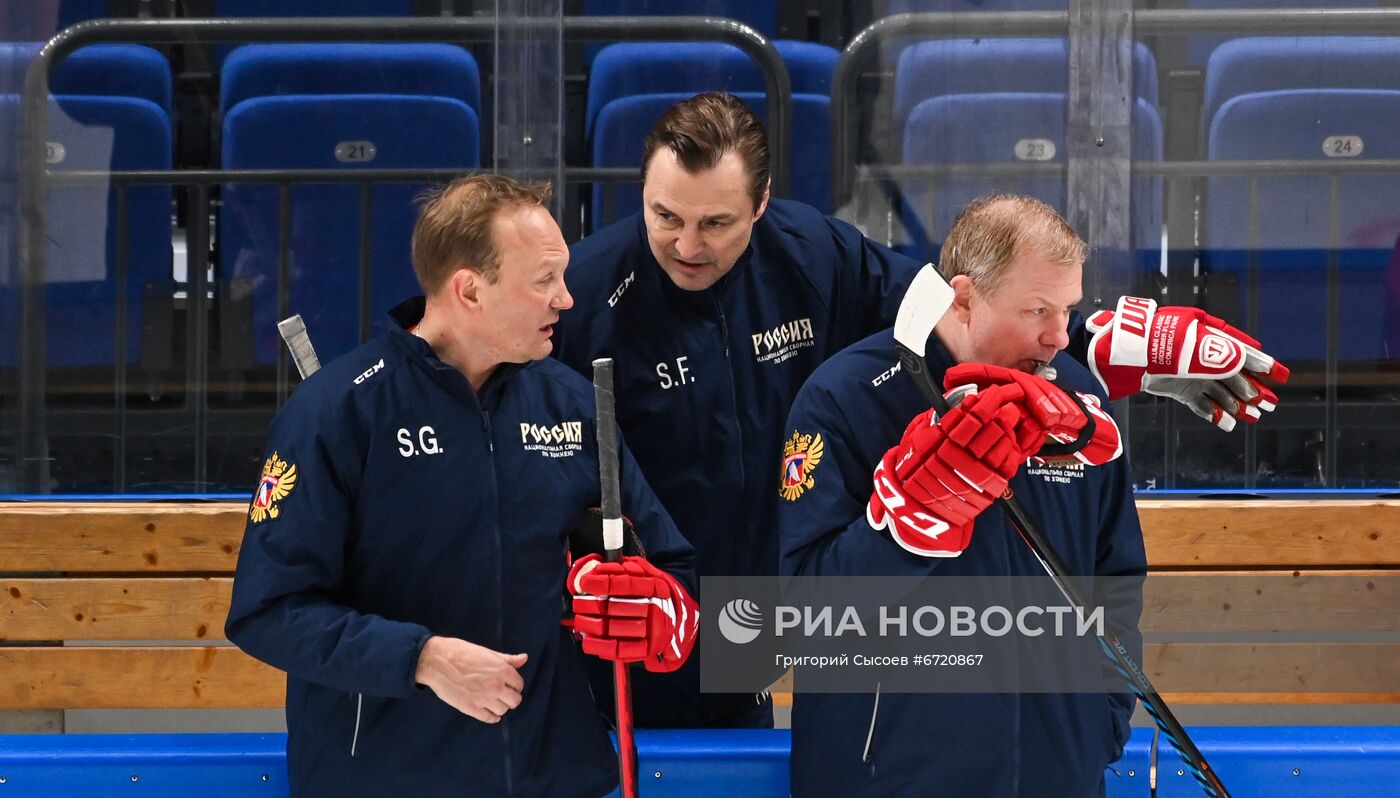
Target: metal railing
<point>34,177</point>
<point>847,171</point>
<point>934,175</point>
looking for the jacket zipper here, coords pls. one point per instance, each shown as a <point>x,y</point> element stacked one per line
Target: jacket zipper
<point>500,595</point>
<point>870,735</point>
<point>733,393</point>
<point>723,327</point>
<point>355,738</point>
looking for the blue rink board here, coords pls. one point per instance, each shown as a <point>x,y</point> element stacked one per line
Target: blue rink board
<point>1254,762</point>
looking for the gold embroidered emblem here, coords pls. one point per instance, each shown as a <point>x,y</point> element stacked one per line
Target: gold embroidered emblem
<point>278,479</point>
<point>801,456</point>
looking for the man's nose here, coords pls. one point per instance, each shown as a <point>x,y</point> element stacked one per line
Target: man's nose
<point>563,300</point>
<point>1057,334</point>
<point>689,245</point>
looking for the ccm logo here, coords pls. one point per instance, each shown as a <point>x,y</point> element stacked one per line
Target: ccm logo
<point>370,372</point>
<point>621,288</point>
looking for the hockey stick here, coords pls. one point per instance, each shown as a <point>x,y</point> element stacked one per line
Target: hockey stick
<point>928,298</point>
<point>612,545</point>
<point>293,331</point>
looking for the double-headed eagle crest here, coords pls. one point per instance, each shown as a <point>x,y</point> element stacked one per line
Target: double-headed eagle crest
<point>278,479</point>
<point>801,455</point>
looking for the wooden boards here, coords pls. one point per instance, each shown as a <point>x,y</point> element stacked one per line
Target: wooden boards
<point>135,572</point>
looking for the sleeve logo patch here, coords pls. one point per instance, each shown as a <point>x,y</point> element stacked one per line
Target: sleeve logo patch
<point>801,456</point>
<point>278,479</point>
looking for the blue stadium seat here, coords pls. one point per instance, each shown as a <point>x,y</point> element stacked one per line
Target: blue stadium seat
<point>1277,63</point>
<point>303,8</point>
<point>633,84</point>
<point>1012,128</point>
<point>985,66</point>
<point>894,48</point>
<point>625,70</point>
<point>623,125</point>
<point>412,84</point>
<point>112,112</point>
<point>263,70</point>
<point>1294,217</point>
<point>91,133</point>
<point>347,132</point>
<point>105,70</point>
<point>1199,48</point>
<point>762,15</point>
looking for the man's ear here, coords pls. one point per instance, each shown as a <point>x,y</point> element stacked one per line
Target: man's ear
<point>465,285</point>
<point>962,296</point>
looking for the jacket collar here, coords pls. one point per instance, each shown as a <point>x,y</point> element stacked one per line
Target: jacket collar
<point>405,316</point>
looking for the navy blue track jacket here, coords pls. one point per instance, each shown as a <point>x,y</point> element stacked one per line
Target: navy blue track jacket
<point>397,503</point>
<point>991,745</point>
<point>705,380</point>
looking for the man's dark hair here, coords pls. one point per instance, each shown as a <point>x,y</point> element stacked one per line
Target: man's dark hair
<point>702,129</point>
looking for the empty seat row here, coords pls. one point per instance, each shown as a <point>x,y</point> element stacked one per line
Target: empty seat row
<point>1267,245</point>
<point>1012,128</point>
<point>632,85</point>
<point>111,111</point>
<point>343,108</point>
<point>308,108</point>
<point>1322,99</point>
<point>287,108</point>
<point>969,102</point>
<point>1270,242</point>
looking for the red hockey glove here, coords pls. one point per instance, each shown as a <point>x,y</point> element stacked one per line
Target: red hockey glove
<point>931,486</point>
<point>1051,407</point>
<point>1185,354</point>
<point>633,611</point>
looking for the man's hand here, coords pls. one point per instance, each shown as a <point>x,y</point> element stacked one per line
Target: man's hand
<point>474,680</point>
<point>1064,415</point>
<point>1185,354</point>
<point>931,486</point>
<point>632,611</point>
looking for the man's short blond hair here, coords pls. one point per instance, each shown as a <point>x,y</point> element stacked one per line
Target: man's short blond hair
<point>454,228</point>
<point>994,230</point>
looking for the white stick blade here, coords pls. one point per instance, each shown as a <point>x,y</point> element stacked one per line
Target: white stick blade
<point>927,299</point>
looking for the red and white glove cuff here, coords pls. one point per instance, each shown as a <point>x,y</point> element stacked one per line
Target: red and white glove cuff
<point>1106,444</point>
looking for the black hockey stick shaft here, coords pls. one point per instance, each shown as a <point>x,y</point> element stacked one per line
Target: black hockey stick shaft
<point>1059,572</point>
<point>611,503</point>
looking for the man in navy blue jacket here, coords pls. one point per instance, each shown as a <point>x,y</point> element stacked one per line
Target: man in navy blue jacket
<point>405,554</point>
<point>900,492</point>
<point>717,302</point>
